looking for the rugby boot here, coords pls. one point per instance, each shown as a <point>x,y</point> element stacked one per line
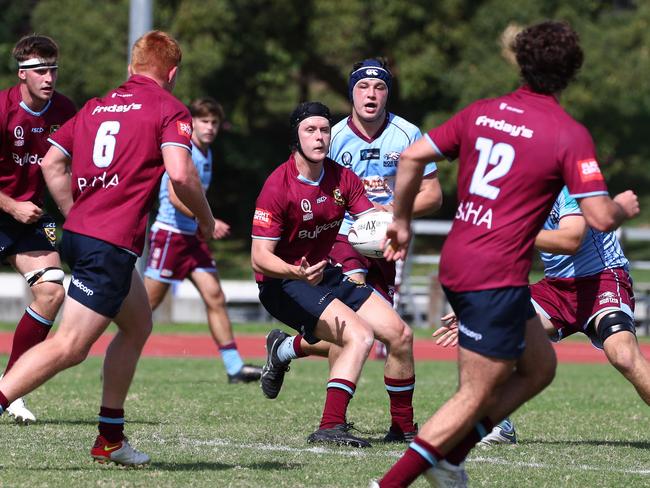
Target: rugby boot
<point>20,413</point>
<point>247,374</point>
<point>446,475</point>
<point>502,433</point>
<point>120,453</point>
<point>395,434</point>
<point>338,435</point>
<point>274,369</point>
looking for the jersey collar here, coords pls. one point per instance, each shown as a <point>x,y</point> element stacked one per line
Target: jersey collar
<point>360,135</point>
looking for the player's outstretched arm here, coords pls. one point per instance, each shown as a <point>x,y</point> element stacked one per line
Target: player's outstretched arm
<point>429,196</point>
<point>566,239</point>
<point>187,186</point>
<point>606,214</point>
<point>57,177</point>
<point>265,261</point>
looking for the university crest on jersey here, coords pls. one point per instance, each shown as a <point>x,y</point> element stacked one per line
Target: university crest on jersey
<point>338,197</point>
<point>54,128</point>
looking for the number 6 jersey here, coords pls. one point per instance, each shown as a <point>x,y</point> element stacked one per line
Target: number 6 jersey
<point>115,143</point>
<point>516,152</point>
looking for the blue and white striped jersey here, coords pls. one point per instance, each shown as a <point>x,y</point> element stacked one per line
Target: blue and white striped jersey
<point>599,250</point>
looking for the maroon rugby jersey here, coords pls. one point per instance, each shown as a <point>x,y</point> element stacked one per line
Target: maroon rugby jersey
<point>515,152</point>
<point>304,217</point>
<point>23,139</point>
<point>116,147</point>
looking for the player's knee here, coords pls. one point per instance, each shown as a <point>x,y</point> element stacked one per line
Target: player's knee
<point>622,358</point>
<point>613,323</point>
<point>49,295</point>
<point>216,300</point>
<point>400,337</point>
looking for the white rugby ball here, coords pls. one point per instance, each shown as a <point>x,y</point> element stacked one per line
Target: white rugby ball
<point>367,233</point>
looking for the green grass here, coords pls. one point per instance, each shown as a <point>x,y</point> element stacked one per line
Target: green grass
<point>589,429</point>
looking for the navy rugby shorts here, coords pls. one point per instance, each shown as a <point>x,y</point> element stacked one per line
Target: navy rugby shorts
<point>17,238</point>
<point>101,272</point>
<point>493,322</point>
<point>300,305</point>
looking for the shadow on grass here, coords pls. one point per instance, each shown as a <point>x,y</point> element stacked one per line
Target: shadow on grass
<point>589,442</point>
<point>200,466</point>
<point>90,422</point>
<point>175,467</point>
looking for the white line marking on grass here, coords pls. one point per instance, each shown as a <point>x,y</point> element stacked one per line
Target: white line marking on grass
<point>361,453</point>
<point>577,467</point>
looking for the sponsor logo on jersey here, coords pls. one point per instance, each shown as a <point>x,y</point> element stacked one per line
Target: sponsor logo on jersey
<point>116,108</point>
<point>391,159</point>
<point>589,170</point>
<point>122,95</point>
<point>321,199</point>
<point>26,158</point>
<point>184,128</point>
<point>104,180</point>
<point>377,186</point>
<point>503,126</point>
<point>505,106</point>
<point>262,218</point>
<point>338,197</point>
<point>80,284</point>
<point>346,159</point>
<point>38,130</point>
<point>313,234</point>
<point>607,297</point>
<point>19,134</point>
<point>369,154</point>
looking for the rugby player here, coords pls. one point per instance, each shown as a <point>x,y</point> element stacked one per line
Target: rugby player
<point>369,142</point>
<point>118,147</point>
<point>515,152</point>
<point>177,252</point>
<point>297,217</point>
<point>587,288</point>
<point>30,112</point>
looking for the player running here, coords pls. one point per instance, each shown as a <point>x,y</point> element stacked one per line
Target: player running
<point>176,251</point>
<point>516,153</point>
<point>118,147</point>
<point>587,288</point>
<point>297,217</point>
<point>369,142</point>
<point>29,113</point>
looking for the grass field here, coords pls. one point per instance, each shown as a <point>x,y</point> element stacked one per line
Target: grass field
<point>589,429</point>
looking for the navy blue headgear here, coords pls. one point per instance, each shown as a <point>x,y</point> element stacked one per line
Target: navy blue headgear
<point>370,68</point>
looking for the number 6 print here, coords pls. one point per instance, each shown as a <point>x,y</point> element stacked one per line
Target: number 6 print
<point>500,156</point>
<point>104,147</point>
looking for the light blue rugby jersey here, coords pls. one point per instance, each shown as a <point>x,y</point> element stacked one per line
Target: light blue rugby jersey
<point>599,250</point>
<point>374,161</point>
<point>170,215</point>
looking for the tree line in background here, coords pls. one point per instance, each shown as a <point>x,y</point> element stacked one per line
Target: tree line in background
<point>259,58</point>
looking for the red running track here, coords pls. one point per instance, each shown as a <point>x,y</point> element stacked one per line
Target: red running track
<point>253,347</point>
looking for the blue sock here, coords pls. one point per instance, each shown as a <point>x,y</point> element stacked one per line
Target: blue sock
<point>286,351</point>
<point>231,359</point>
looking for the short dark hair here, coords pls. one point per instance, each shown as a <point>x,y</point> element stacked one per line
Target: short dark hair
<point>549,56</point>
<point>202,107</point>
<point>35,45</point>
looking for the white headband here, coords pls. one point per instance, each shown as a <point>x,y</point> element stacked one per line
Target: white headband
<point>36,63</point>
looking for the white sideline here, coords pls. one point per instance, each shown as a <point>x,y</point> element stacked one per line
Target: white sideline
<point>361,453</point>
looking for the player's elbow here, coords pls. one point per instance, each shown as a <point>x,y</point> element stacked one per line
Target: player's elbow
<point>602,222</point>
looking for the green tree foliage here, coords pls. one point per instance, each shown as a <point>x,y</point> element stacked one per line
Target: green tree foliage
<point>260,58</point>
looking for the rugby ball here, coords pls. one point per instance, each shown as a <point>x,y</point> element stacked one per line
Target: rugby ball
<point>368,232</point>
